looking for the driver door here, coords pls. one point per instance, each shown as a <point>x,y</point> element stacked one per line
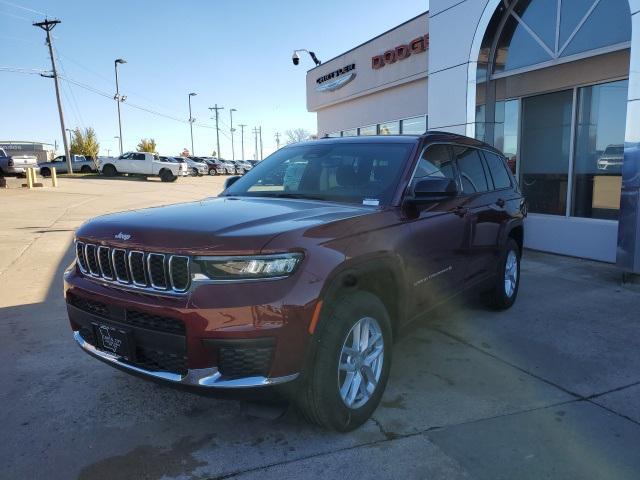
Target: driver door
<point>435,253</point>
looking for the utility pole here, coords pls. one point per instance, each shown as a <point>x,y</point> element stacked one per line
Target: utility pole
<point>191,120</point>
<point>255,148</point>
<point>260,132</point>
<point>216,108</point>
<point>278,140</point>
<point>233,152</point>
<point>48,25</point>
<point>242,125</point>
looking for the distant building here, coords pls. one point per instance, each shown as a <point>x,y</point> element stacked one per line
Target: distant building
<point>44,152</point>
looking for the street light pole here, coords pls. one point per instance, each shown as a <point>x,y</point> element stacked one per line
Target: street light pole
<point>242,125</point>
<point>118,98</point>
<point>192,94</point>
<point>233,152</point>
<point>70,132</point>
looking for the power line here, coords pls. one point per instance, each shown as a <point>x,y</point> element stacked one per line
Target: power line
<point>15,16</point>
<point>21,7</point>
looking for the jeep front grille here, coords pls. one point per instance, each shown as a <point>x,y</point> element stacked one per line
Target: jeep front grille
<point>134,268</point>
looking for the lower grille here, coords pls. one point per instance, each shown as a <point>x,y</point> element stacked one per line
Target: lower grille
<point>160,342</point>
<point>154,322</point>
<point>89,306</point>
<point>158,361</point>
<point>238,362</point>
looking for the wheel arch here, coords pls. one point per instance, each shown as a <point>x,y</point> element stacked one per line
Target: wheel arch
<point>376,274</point>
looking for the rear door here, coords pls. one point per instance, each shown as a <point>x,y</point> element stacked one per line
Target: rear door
<point>484,214</point>
<point>139,164</point>
<point>439,235</point>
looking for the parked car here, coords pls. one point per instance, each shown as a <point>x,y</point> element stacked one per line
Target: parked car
<point>245,165</point>
<point>144,164</point>
<point>79,163</point>
<point>197,169</point>
<point>304,284</point>
<point>232,168</point>
<point>16,164</point>
<point>216,167</point>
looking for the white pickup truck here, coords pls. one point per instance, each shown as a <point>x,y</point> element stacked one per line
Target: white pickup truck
<point>16,164</point>
<point>143,164</point>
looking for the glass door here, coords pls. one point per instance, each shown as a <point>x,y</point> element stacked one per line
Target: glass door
<point>545,151</point>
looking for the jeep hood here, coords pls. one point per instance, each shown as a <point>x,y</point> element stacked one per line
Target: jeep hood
<point>222,225</point>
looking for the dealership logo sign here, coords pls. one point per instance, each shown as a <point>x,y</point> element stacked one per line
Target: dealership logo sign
<point>417,45</point>
<point>336,79</point>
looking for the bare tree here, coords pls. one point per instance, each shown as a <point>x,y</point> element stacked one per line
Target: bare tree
<point>296,135</point>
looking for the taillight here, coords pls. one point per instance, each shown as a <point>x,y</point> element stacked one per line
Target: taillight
<point>10,162</point>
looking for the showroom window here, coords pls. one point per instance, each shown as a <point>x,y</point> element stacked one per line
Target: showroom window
<point>368,130</point>
<point>506,130</point>
<point>599,150</point>
<point>414,126</point>
<point>390,128</point>
<point>548,31</point>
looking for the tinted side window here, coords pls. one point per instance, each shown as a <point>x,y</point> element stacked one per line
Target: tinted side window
<point>498,171</point>
<point>472,172</point>
<point>435,161</point>
<point>138,156</point>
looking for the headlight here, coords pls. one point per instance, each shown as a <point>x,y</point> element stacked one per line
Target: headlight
<point>250,267</point>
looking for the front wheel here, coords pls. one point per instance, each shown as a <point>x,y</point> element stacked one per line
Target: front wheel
<point>504,293</point>
<point>212,172</point>
<point>109,170</point>
<point>350,363</point>
<point>45,172</point>
<point>85,169</point>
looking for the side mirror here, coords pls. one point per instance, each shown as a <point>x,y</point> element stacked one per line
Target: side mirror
<point>230,181</point>
<point>431,189</point>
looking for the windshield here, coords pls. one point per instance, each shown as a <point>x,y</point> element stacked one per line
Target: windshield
<point>354,173</point>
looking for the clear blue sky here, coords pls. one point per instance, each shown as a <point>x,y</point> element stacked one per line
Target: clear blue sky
<point>234,53</point>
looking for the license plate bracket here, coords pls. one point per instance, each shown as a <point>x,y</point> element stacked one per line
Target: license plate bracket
<point>115,340</point>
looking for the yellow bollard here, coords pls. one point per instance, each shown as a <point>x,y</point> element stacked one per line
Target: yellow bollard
<point>54,177</point>
<point>29,178</point>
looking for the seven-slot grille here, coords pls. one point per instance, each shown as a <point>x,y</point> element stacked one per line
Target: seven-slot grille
<point>135,268</point>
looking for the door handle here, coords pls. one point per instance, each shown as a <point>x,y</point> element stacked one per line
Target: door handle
<point>500,202</point>
<point>460,211</point>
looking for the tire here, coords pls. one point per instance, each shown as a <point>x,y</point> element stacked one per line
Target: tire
<point>505,291</point>
<point>212,172</point>
<point>85,169</point>
<point>319,396</point>
<point>109,170</point>
<point>195,172</point>
<point>167,176</point>
<point>45,172</point>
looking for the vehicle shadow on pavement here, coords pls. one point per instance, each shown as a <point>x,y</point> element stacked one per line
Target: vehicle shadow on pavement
<point>462,365</point>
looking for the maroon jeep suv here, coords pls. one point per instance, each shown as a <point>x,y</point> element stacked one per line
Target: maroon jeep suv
<point>299,275</point>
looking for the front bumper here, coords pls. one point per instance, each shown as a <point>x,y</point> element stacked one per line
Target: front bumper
<point>200,377</point>
<point>212,337</point>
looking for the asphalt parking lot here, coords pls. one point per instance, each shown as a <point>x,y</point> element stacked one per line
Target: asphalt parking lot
<point>548,389</point>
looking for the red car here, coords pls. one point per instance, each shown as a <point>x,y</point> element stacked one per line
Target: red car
<point>301,273</point>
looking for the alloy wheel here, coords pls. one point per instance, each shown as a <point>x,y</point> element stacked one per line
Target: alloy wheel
<point>360,363</point>
<point>510,273</point>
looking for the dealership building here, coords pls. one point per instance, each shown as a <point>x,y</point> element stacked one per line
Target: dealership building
<point>552,83</point>
<point>44,152</point>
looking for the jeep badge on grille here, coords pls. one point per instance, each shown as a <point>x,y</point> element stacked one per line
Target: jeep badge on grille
<point>122,236</point>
